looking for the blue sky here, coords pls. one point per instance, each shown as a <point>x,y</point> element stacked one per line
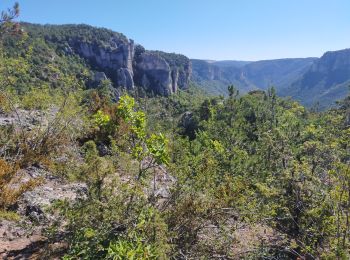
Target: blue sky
<point>208,29</point>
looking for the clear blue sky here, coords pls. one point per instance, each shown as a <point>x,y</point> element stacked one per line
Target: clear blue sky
<point>210,29</point>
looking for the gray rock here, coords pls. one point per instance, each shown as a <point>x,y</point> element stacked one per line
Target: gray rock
<point>68,50</point>
<point>99,76</point>
<point>154,73</point>
<point>21,239</point>
<point>34,213</point>
<point>162,73</point>
<point>115,58</point>
<point>161,188</point>
<point>125,78</point>
<point>28,119</point>
<point>43,196</point>
<point>103,149</point>
<point>159,72</point>
<point>35,203</point>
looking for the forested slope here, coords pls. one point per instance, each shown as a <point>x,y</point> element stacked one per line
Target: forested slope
<point>88,174</point>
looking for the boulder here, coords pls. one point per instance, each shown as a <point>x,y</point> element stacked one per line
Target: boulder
<point>34,203</point>
<point>99,76</point>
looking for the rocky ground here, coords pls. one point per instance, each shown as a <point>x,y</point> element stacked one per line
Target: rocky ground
<point>21,239</point>
<point>27,119</point>
<point>27,238</point>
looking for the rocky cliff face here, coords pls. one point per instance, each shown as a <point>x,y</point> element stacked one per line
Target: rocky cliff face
<point>181,69</point>
<point>154,73</point>
<point>157,72</point>
<point>326,81</point>
<point>115,58</point>
<point>114,54</point>
<point>161,73</point>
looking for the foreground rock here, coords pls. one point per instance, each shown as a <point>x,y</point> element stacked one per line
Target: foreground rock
<point>25,238</point>
<point>28,119</point>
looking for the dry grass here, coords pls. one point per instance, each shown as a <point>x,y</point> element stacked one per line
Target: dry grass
<point>12,185</point>
<point>9,215</point>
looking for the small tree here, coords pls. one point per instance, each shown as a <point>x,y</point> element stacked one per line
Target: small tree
<point>232,91</point>
<point>7,24</point>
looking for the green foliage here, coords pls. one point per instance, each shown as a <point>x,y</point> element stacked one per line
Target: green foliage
<point>125,249</point>
<point>7,25</point>
<point>60,34</point>
<point>9,215</point>
<point>133,246</point>
<point>157,147</point>
<point>265,158</point>
<point>100,119</point>
<point>244,160</point>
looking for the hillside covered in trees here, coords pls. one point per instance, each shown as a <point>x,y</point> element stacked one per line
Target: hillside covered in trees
<point>93,170</point>
<point>312,81</point>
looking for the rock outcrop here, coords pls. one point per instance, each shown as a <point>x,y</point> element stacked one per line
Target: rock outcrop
<point>157,72</point>
<point>25,238</point>
<point>154,74</point>
<point>180,67</point>
<point>117,57</point>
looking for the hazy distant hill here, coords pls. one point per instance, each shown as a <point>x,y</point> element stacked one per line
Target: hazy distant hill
<point>231,63</point>
<point>309,80</point>
<point>215,76</point>
<point>312,81</point>
<point>279,73</point>
<point>326,81</point>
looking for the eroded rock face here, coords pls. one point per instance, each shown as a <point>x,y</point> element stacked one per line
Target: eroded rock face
<point>115,58</point>
<point>120,60</point>
<point>159,74</point>
<point>154,73</point>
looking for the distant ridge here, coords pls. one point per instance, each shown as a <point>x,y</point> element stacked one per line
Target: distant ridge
<point>326,80</point>
<point>311,81</point>
<point>248,75</point>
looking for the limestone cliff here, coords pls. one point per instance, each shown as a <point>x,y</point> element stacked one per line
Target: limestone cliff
<point>114,54</point>
<point>115,58</point>
<point>158,72</point>
<point>161,74</point>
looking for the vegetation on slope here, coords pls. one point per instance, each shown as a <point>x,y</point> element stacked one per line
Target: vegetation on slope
<point>254,161</point>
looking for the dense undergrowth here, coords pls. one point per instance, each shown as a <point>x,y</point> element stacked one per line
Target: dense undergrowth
<point>243,160</point>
